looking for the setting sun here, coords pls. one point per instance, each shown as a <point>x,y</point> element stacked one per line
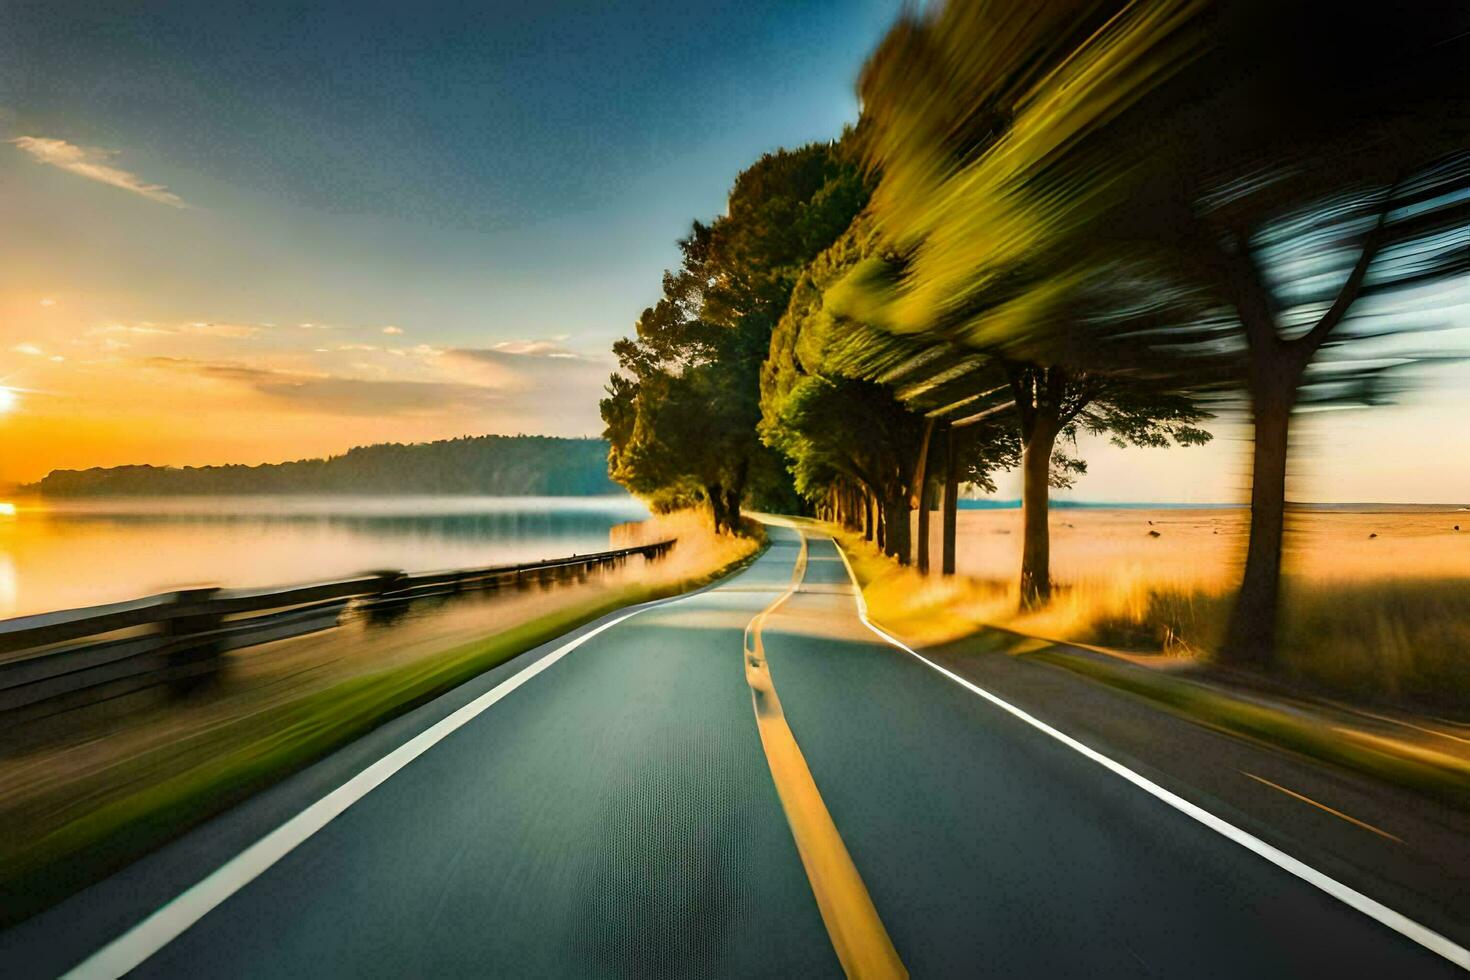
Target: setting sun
<point>8,400</point>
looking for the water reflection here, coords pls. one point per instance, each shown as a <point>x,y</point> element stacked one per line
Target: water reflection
<point>496,525</point>
<point>85,552</point>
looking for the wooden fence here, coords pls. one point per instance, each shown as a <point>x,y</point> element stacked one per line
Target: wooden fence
<point>54,661</point>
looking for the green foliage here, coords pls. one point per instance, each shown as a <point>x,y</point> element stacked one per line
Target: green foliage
<point>1215,193</point>
<point>500,465</point>
<point>834,426</point>
<point>681,413</point>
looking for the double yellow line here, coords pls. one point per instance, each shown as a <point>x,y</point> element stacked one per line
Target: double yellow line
<point>862,944</point>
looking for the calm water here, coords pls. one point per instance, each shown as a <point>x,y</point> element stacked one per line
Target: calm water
<point>59,555</point>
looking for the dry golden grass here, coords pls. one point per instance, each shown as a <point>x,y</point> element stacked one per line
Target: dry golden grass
<point>1377,604</point>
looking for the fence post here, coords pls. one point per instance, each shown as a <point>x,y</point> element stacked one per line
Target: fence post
<point>193,652</point>
<point>379,611</point>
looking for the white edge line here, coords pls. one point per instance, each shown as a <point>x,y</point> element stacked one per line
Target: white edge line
<point>147,937</point>
<point>1402,924</point>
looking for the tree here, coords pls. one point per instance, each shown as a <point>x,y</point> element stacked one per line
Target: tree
<point>1052,398</point>
<point>681,413</point>
<point>833,426</point>
<point>847,428</point>
<point>1219,193</point>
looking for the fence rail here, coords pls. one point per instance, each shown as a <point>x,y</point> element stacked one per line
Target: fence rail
<point>54,661</point>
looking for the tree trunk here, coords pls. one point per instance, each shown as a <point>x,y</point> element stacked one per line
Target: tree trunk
<point>882,539</point>
<point>951,501</point>
<point>732,510</point>
<point>716,505</point>
<point>921,557</point>
<point>896,535</point>
<point>870,530</point>
<point>1035,501</point>
<point>921,464</point>
<point>1250,634</point>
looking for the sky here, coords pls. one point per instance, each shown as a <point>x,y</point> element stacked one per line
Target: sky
<point>255,234</point>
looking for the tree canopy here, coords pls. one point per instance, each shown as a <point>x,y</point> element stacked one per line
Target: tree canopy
<point>682,410</point>
<point>1202,194</point>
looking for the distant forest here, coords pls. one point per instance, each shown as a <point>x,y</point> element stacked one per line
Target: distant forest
<point>498,465</point>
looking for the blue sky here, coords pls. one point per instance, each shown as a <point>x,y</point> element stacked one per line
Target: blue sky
<point>481,170</point>
<point>241,233</point>
<point>500,186</point>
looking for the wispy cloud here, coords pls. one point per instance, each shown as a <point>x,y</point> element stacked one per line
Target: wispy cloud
<point>234,331</point>
<point>230,331</point>
<point>554,388</point>
<point>339,395</point>
<point>94,164</point>
<point>31,350</point>
<point>534,348</point>
<point>551,376</point>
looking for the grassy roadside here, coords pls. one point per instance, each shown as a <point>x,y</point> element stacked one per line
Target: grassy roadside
<point>1338,739</point>
<point>248,754</point>
<point>1408,764</point>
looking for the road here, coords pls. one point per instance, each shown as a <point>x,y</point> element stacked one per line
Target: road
<point>747,781</point>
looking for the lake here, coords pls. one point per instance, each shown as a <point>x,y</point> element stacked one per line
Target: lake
<point>61,554</point>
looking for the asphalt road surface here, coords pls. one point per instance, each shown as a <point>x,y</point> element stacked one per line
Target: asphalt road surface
<point>679,794</point>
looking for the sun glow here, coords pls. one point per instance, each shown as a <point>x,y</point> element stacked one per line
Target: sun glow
<point>8,400</point>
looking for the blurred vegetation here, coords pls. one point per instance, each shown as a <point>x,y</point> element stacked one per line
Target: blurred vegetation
<point>1102,216</point>
<point>1390,641</point>
<point>1216,196</point>
<point>1394,647</point>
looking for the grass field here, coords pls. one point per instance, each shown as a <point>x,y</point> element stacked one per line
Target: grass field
<point>1377,600</point>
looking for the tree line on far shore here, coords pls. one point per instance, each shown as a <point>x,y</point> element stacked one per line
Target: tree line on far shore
<point>490,465</point>
<point>1119,218</point>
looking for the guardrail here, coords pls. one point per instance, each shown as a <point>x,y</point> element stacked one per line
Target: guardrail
<point>54,661</point>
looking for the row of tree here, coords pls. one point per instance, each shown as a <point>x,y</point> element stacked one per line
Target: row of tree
<point>509,466</point>
<point>1079,215</point>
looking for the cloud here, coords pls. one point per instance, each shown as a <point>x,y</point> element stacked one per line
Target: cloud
<point>138,328</point>
<point>527,359</point>
<point>30,349</point>
<point>393,331</point>
<point>230,331</point>
<point>93,164</point>
<point>534,348</point>
<point>235,331</point>
<point>338,395</point>
<point>552,393</point>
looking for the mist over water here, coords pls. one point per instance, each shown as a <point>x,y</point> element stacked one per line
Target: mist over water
<point>56,555</point>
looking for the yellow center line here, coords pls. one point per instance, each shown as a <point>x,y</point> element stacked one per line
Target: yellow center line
<point>858,937</point>
<point>1322,806</point>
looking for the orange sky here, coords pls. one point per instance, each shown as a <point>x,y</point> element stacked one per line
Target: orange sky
<point>93,391</point>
